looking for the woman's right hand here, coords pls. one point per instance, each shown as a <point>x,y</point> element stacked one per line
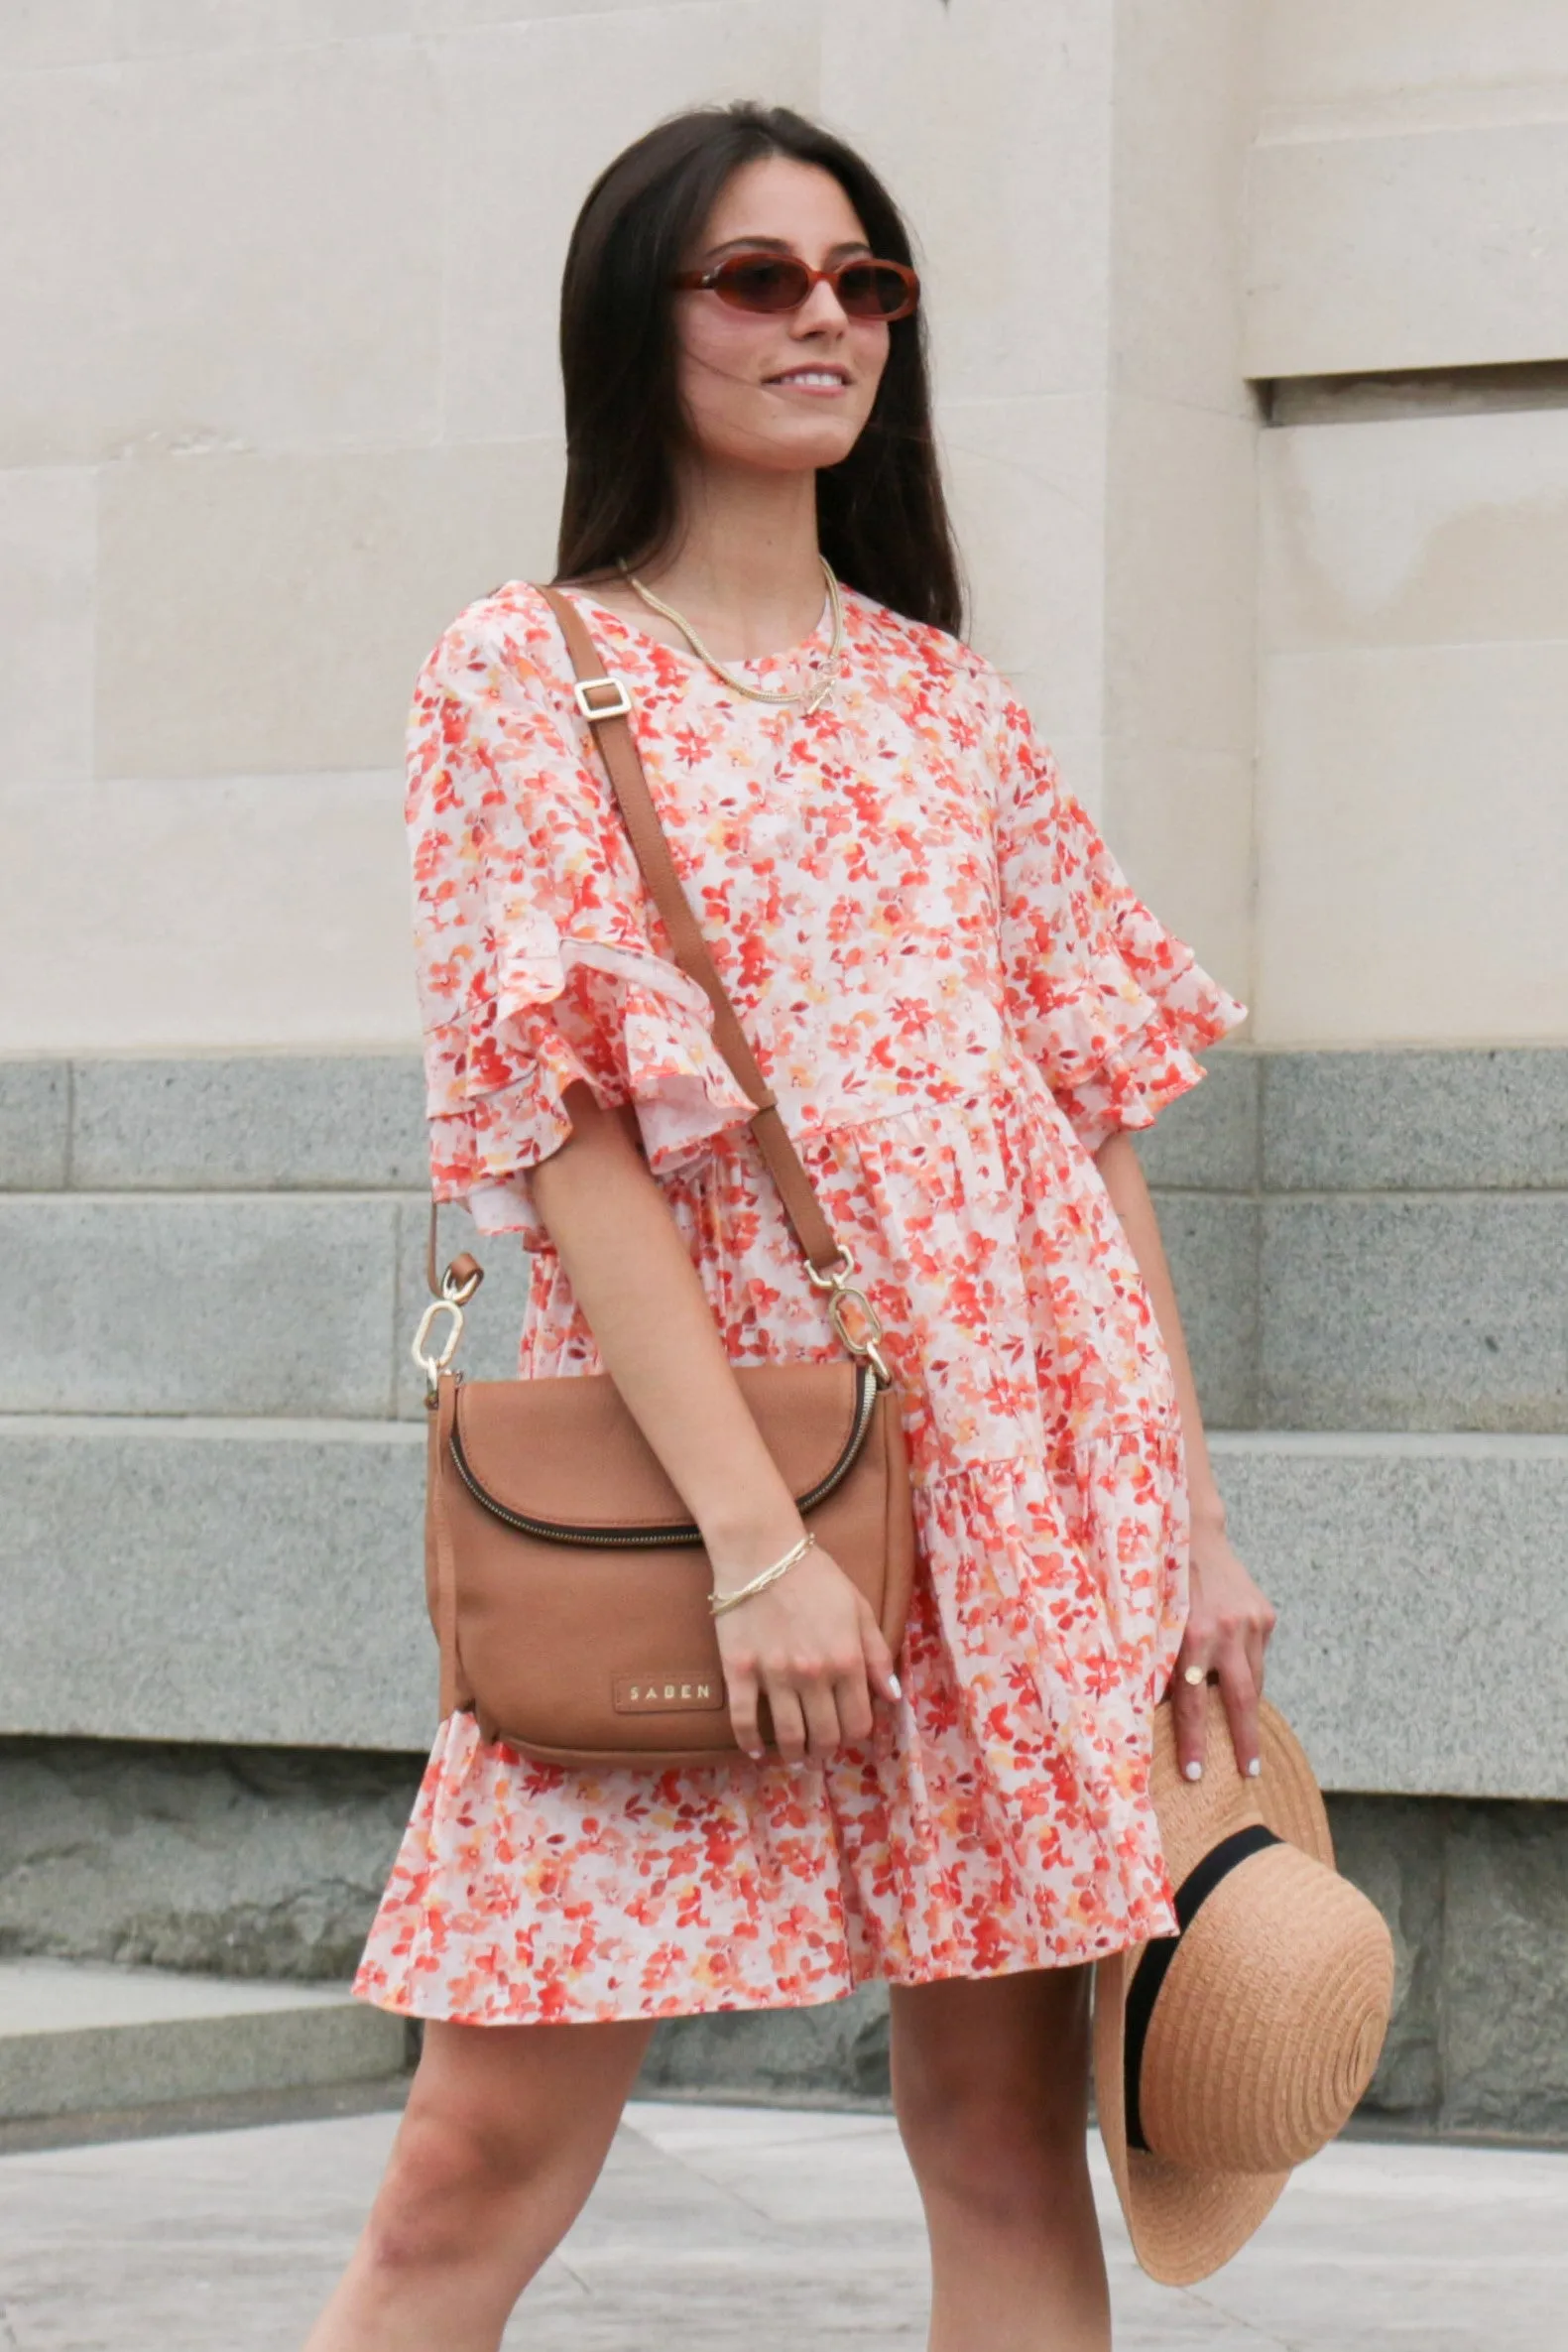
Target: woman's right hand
<point>811,1647</point>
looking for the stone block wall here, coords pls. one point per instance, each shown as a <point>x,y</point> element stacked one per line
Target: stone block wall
<point>250,1862</point>
<point>210,1424</point>
<point>1477,1896</point>
<point>217,1684</point>
<point>268,1861</point>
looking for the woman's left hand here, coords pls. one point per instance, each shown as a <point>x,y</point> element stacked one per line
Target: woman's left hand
<point>1229,1623</point>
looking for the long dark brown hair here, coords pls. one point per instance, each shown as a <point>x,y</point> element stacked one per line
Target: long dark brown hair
<point>882,518</point>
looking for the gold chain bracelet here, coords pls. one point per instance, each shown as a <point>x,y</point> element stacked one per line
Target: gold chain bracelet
<point>718,1602</point>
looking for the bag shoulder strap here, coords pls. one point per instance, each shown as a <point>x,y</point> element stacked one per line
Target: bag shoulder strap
<point>606,704</point>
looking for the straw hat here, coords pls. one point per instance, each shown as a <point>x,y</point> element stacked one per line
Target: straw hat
<point>1245,2042</point>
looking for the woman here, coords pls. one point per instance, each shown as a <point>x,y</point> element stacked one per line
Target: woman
<point>963,1010</point>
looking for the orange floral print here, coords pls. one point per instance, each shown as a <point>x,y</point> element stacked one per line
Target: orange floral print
<point>957,999</point>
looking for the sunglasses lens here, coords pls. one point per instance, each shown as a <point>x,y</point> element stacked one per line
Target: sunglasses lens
<point>762,281</point>
<point>872,289</point>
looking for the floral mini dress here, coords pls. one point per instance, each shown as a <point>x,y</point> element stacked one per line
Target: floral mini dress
<point>957,999</point>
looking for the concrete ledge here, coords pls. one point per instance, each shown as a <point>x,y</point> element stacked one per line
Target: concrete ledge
<point>235,1582</point>
<point>35,1125</point>
<point>1418,1286</point>
<point>1212,1242</point>
<point>1410,1118</point>
<point>1414,1311</point>
<point>1209,1138</point>
<point>1418,1120</point>
<point>222,1123</point>
<point>260,1583</point>
<point>1423,1603</point>
<point>74,2038</point>
<point>1339,1310</point>
<point>249,1304</point>
<point>262,1122</point>
<point>197,1303</point>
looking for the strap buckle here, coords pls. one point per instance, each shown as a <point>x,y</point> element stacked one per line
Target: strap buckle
<point>432,1362</point>
<point>858,1324</point>
<point>621,707</point>
<point>455,1295</point>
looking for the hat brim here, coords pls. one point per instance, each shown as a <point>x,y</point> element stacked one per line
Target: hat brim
<point>1185,2225</point>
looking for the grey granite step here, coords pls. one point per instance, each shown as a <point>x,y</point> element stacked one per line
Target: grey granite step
<point>261,1582</point>
<point>77,2039</point>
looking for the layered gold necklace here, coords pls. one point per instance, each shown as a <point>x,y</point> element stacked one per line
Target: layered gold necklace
<point>817,690</point>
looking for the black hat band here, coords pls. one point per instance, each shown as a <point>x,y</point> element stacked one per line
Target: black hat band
<point>1144,1991</point>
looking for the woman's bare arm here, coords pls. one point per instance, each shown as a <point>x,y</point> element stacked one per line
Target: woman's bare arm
<point>1228,1621</point>
<point>808,1644</point>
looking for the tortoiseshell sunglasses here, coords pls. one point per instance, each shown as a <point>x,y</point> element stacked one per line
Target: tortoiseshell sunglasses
<point>767,282</point>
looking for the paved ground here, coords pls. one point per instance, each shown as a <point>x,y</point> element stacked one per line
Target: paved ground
<point>751,2230</point>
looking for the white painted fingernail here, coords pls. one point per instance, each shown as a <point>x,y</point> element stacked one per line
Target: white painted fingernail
<point>1255,1767</point>
<point>755,1754</point>
<point>1194,1770</point>
<point>894,1686</point>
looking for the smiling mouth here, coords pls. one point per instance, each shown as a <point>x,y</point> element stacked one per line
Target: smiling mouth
<point>813,378</point>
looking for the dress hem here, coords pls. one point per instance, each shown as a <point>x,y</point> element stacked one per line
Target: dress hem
<point>401,2005</point>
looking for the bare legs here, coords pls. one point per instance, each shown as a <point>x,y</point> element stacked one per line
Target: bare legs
<point>507,2127</point>
<point>505,2132</point>
<point>989,2080</point>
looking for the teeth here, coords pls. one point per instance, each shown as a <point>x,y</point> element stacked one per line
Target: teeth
<point>811,376</point>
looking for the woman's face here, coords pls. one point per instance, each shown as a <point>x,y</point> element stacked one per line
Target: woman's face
<point>789,390</point>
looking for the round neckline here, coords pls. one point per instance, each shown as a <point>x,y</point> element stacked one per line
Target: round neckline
<point>682,653</point>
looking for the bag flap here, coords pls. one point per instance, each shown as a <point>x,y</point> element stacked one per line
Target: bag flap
<point>568,1451</point>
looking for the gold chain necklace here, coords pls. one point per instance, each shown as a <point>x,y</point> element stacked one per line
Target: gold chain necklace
<point>810,696</point>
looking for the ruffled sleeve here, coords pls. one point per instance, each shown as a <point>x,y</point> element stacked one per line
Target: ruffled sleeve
<point>535,965</point>
<point>1112,1006</point>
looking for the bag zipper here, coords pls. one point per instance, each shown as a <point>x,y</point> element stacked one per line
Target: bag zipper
<point>646,1538</point>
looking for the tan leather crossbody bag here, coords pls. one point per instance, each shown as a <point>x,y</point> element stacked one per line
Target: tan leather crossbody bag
<point>566,1582</point>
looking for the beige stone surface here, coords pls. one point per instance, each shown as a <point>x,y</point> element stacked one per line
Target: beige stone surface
<point>205,250</point>
<point>284,273</point>
<point>1412,843</point>
<point>1323,51</point>
<point>247,911</point>
<point>1182,119</point>
<point>523,149</point>
<point>990,123</point>
<point>1027,478</point>
<point>301,305</point>
<point>1181,486</point>
<point>452,16</point>
<point>1415,242</point>
<point>1180,821</point>
<point>269,613</point>
<point>1414,604</point>
<point>1179,669</point>
<point>1437,529</point>
<point>107,31</point>
<point>1179,563</point>
<point>48,552</point>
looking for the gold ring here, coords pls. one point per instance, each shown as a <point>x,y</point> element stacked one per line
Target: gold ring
<point>1195,1674</point>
